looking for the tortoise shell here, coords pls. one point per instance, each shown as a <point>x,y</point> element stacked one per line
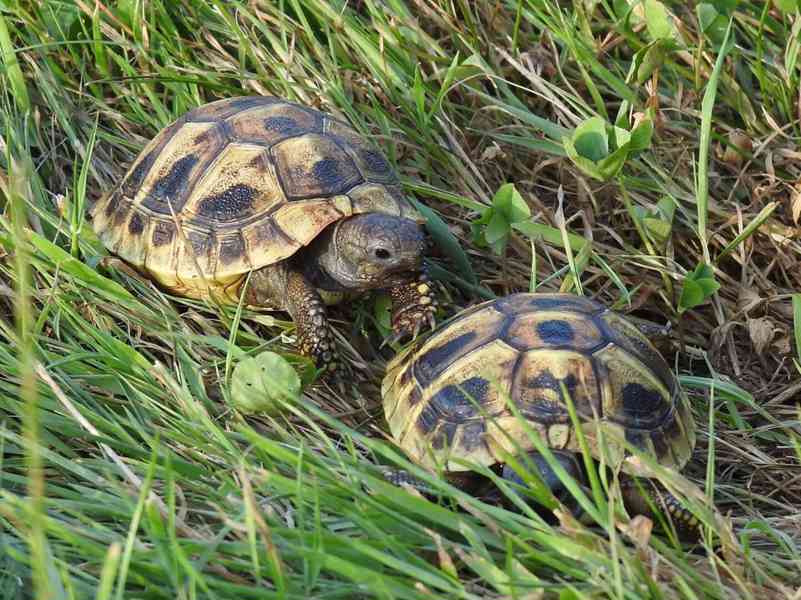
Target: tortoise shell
<point>446,398</point>
<point>239,184</point>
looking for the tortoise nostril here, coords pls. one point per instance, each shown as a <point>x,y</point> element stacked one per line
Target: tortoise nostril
<point>382,254</point>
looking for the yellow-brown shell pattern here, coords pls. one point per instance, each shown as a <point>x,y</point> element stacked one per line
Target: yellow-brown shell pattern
<point>446,398</point>
<point>239,184</point>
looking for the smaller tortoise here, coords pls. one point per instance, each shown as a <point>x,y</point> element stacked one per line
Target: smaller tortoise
<point>286,196</point>
<point>445,397</point>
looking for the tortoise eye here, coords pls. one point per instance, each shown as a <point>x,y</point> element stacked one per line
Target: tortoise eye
<point>382,254</point>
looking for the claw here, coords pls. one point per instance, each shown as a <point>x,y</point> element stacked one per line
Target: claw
<point>431,321</point>
<point>392,339</point>
<point>416,331</point>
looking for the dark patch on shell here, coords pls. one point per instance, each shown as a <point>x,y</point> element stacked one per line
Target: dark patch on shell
<point>232,204</point>
<point>428,419</point>
<point>452,406</point>
<point>635,437</point>
<point>672,429</point>
<point>257,162</point>
<point>545,411</point>
<point>375,161</point>
<point>555,332</point>
<point>170,186</point>
<point>642,405</point>
<point>200,243</point>
<point>112,204</point>
<point>283,125</point>
<point>473,435</point>
<point>415,395</point>
<point>639,347</point>
<point>251,101</point>
<point>232,249</point>
<point>444,435</point>
<point>405,377</point>
<point>135,178</point>
<point>123,208</point>
<point>460,402</point>
<point>517,304</point>
<point>163,233</point>
<point>267,233</point>
<point>541,409</point>
<point>202,137</point>
<point>660,443</point>
<point>326,171</point>
<point>227,108</point>
<point>136,225</point>
<point>546,380</point>
<point>437,359</point>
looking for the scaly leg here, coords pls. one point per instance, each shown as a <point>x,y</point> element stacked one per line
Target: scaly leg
<point>640,494</point>
<point>464,480</point>
<point>282,287</point>
<point>413,306</point>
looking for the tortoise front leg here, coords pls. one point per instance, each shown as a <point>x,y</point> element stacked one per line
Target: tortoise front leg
<point>413,306</point>
<point>283,287</point>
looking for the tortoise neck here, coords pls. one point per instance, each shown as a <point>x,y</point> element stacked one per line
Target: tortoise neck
<point>322,259</point>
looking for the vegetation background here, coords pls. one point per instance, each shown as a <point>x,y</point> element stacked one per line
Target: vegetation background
<point>654,152</point>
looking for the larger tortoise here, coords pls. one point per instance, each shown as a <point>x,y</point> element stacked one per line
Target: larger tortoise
<point>287,197</point>
<point>446,397</point>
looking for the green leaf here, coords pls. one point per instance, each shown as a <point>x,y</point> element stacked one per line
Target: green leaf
<point>589,146</point>
<point>382,310</point>
<point>510,203</point>
<point>620,137</point>
<point>691,295</point>
<point>667,208</point>
<point>497,228</point>
<point>612,164</point>
<point>698,286</point>
<point>703,271</point>
<point>264,383</point>
<point>590,139</point>
<point>708,286</point>
<point>707,14</point>
<point>650,58</point>
<point>658,20</point>
<point>713,21</point>
<point>726,7</point>
<point>787,6</point>
<point>446,241</point>
<point>640,138</point>
<point>658,228</point>
<point>585,164</point>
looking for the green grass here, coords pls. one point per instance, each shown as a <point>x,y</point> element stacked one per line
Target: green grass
<point>126,474</point>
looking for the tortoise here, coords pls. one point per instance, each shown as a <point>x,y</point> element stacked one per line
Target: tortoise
<point>289,199</point>
<point>446,398</point>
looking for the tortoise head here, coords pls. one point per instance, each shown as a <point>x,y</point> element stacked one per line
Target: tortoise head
<point>372,250</point>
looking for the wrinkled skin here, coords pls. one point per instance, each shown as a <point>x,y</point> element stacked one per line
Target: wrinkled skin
<point>361,253</point>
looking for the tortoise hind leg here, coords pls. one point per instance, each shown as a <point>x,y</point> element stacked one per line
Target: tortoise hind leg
<point>283,287</point>
<point>639,495</point>
<point>467,481</point>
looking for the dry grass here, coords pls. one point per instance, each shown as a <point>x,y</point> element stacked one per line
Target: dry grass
<point>167,492</point>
